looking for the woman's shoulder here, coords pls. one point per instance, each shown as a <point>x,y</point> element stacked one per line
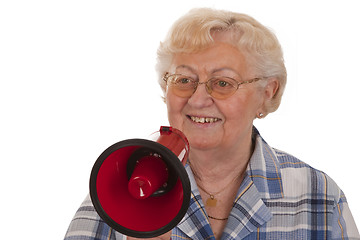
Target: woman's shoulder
<point>300,177</point>
<point>87,224</point>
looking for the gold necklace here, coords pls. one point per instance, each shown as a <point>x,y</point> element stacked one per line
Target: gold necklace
<point>212,201</point>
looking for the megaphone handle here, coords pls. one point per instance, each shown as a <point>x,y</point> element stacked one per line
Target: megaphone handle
<point>176,141</point>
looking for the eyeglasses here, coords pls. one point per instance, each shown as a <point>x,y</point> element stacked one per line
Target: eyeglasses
<point>217,87</point>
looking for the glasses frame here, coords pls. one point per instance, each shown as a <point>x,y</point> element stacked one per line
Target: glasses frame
<point>208,89</point>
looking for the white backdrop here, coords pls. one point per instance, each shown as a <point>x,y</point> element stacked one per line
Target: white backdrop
<point>77,76</point>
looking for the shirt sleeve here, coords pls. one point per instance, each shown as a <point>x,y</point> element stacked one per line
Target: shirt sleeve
<point>343,225</point>
<point>87,225</point>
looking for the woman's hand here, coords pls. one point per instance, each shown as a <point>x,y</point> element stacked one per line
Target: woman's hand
<point>166,236</point>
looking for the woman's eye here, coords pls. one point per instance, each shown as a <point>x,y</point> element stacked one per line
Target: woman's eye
<point>222,83</point>
<point>183,80</point>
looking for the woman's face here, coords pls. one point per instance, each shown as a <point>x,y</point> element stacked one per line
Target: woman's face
<point>211,123</point>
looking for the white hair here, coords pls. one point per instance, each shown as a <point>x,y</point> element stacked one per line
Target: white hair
<point>192,33</point>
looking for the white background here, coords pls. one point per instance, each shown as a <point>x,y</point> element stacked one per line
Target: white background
<point>78,76</point>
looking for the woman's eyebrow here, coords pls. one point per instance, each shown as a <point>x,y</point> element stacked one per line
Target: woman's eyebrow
<point>186,67</point>
<point>225,69</point>
<point>215,71</point>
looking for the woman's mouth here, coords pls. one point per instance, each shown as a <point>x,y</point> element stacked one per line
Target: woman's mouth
<point>203,119</point>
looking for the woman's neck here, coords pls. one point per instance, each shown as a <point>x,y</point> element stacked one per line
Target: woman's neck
<point>214,164</point>
<point>218,175</point>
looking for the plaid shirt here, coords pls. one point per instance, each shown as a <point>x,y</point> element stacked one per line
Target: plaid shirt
<point>280,197</point>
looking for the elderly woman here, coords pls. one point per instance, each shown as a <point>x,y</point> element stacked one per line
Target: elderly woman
<point>219,71</point>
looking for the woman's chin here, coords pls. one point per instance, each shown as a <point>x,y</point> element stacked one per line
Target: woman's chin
<point>202,143</point>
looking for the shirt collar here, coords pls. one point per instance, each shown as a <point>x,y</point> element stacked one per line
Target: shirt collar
<point>264,169</point>
<point>262,181</point>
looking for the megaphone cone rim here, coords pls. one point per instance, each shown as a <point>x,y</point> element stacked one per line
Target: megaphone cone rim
<point>174,162</point>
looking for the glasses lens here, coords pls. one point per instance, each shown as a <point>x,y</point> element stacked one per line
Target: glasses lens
<point>222,87</point>
<point>181,85</point>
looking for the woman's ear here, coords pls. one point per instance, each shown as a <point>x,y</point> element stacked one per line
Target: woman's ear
<point>268,92</point>
<point>271,88</point>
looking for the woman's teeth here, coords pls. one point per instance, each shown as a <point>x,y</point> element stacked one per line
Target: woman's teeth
<point>204,120</point>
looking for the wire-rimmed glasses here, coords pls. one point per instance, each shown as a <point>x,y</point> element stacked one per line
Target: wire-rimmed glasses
<point>218,87</point>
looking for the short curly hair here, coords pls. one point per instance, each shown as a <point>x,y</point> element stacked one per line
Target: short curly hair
<point>192,33</point>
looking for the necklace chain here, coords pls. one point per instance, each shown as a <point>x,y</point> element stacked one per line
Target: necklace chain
<point>212,201</point>
<point>212,195</point>
<point>220,219</point>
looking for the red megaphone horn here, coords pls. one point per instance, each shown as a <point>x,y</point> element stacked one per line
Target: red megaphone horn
<point>140,187</point>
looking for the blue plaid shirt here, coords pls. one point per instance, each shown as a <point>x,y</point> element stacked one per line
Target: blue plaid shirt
<point>280,197</point>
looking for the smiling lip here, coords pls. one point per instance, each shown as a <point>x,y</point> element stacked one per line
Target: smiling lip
<point>203,119</point>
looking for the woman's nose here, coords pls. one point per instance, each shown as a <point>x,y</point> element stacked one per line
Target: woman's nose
<point>201,98</point>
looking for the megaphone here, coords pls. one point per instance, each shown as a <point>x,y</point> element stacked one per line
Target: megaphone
<point>140,187</point>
